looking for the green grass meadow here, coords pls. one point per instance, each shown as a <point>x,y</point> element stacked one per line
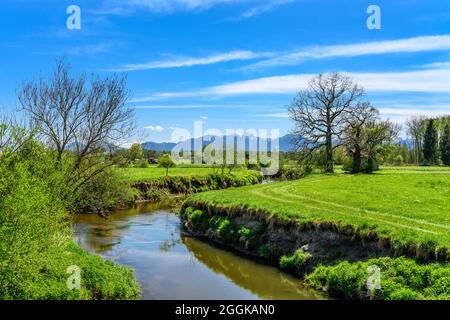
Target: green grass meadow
<point>410,205</point>
<point>152,172</point>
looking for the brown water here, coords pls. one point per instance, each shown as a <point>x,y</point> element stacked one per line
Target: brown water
<point>169,265</point>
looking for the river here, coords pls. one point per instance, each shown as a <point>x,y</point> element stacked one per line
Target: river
<point>170,265</point>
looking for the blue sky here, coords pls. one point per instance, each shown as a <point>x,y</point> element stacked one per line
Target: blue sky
<point>234,63</point>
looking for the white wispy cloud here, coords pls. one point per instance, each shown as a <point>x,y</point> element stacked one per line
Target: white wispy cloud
<point>199,106</point>
<point>401,113</point>
<point>395,112</point>
<point>180,62</point>
<point>120,7</point>
<point>265,7</point>
<point>156,128</point>
<point>273,115</point>
<point>416,44</point>
<point>437,65</point>
<point>427,80</point>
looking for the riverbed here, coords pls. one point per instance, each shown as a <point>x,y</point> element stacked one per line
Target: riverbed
<point>171,265</point>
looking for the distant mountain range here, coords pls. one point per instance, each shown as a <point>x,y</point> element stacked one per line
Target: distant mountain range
<point>285,143</point>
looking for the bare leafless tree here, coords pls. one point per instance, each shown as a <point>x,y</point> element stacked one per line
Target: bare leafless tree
<point>320,112</point>
<point>416,130</point>
<point>79,116</point>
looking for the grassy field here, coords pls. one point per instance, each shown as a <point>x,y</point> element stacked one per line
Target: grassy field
<point>410,205</point>
<point>143,174</point>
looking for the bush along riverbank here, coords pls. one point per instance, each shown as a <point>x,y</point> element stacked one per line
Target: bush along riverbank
<point>162,188</point>
<point>329,257</point>
<point>37,251</point>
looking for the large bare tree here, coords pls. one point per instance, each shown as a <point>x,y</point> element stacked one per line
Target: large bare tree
<point>320,112</point>
<point>78,116</point>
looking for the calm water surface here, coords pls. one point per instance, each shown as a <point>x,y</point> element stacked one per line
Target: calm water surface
<point>169,265</point>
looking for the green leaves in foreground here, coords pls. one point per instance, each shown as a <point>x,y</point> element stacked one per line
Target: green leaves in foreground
<point>36,245</point>
<point>400,279</point>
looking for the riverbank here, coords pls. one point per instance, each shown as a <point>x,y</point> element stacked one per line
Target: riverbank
<point>302,228</point>
<point>159,189</point>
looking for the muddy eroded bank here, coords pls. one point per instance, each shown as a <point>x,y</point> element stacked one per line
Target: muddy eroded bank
<point>261,235</point>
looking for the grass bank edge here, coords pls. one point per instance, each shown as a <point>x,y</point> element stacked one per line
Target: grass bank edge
<point>411,248</point>
<point>156,189</point>
<point>400,278</point>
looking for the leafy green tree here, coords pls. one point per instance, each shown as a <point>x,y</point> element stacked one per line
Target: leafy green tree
<point>166,162</point>
<point>136,152</point>
<point>430,144</point>
<point>355,137</point>
<point>445,145</point>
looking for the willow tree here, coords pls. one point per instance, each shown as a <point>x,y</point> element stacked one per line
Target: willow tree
<point>320,113</point>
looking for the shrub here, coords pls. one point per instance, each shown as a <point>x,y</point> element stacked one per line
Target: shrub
<point>142,164</point>
<point>103,192</point>
<point>198,218</point>
<point>226,230</point>
<point>36,242</point>
<point>245,232</point>
<point>296,261</point>
<point>400,279</point>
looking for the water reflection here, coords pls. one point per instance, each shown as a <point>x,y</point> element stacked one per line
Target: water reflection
<point>169,266</point>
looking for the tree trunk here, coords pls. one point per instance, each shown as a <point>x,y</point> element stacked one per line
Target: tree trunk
<point>356,168</point>
<point>329,154</point>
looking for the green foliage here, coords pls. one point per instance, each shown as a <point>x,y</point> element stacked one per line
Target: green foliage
<point>143,164</point>
<point>155,195</point>
<point>445,145</point>
<point>136,152</point>
<point>345,279</point>
<point>254,235</point>
<point>245,232</point>
<point>225,228</point>
<point>293,172</point>
<point>36,241</point>
<point>400,279</point>
<point>166,162</point>
<point>370,166</point>
<point>296,261</point>
<point>399,160</point>
<point>197,218</point>
<point>105,191</point>
<point>195,184</point>
<point>430,144</point>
